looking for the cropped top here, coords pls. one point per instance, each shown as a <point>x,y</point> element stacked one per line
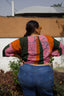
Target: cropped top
<point>35,49</point>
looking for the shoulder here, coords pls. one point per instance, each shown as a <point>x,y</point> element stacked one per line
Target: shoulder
<point>23,38</point>
<point>49,37</point>
<point>23,41</point>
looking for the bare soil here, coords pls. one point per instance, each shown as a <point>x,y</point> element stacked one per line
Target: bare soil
<point>60,70</point>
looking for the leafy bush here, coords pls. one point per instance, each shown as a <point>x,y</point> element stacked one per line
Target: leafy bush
<point>51,60</point>
<point>58,83</point>
<point>15,69</point>
<point>7,85</point>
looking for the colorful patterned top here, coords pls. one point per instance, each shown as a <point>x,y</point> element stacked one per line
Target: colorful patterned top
<point>35,49</point>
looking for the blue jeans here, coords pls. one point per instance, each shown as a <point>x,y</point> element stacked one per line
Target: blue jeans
<point>34,79</point>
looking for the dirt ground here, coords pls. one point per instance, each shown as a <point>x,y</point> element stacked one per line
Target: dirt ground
<point>15,26</point>
<point>60,70</point>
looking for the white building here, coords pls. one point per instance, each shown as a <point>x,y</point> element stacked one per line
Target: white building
<point>41,11</point>
<point>4,61</point>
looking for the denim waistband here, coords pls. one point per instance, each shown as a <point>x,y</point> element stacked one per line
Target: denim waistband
<point>26,66</point>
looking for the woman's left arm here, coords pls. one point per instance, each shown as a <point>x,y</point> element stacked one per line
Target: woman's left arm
<point>58,48</point>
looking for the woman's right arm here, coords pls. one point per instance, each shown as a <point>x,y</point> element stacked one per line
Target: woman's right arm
<point>12,49</point>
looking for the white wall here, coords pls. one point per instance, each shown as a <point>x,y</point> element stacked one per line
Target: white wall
<point>4,42</point>
<point>59,61</point>
<point>4,61</point>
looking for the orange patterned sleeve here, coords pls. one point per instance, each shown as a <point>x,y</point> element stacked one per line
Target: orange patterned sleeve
<point>50,41</point>
<point>16,46</point>
<point>56,47</point>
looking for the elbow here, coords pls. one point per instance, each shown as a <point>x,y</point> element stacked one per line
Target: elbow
<point>3,53</point>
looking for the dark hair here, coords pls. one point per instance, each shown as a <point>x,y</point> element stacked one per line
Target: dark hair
<point>30,27</point>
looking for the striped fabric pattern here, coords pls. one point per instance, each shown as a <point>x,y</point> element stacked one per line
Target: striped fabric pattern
<point>35,49</point>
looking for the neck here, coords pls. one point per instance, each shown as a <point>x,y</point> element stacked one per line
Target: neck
<point>33,34</point>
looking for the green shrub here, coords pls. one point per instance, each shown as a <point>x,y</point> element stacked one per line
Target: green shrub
<point>14,65</point>
<point>7,85</point>
<point>58,83</point>
<point>51,60</point>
